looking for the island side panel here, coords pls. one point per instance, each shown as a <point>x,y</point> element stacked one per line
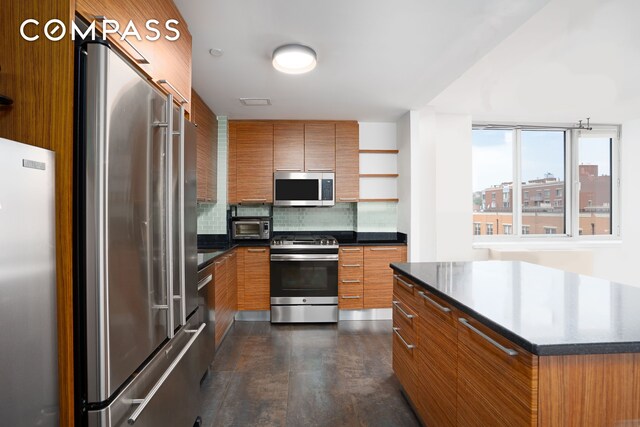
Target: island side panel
<point>598,389</point>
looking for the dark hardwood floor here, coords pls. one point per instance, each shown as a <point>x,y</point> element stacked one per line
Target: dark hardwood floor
<point>305,375</point>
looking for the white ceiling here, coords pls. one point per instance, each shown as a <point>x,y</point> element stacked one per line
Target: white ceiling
<point>376,58</point>
<point>574,59</point>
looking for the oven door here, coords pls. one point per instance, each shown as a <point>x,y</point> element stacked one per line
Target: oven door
<point>304,278</point>
<point>246,230</point>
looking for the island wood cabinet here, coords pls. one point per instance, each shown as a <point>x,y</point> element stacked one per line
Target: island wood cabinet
<point>258,148</point>
<point>458,372</point>
<point>207,148</point>
<point>378,276</point>
<point>253,275</point>
<point>160,60</point>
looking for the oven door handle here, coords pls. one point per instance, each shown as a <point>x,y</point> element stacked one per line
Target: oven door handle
<point>304,257</point>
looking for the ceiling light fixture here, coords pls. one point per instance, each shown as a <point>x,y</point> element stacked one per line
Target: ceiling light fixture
<point>294,59</point>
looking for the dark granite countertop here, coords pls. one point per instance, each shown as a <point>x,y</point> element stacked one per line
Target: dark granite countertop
<point>211,246</point>
<point>544,310</point>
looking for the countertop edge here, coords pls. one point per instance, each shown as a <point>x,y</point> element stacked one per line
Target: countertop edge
<point>537,349</point>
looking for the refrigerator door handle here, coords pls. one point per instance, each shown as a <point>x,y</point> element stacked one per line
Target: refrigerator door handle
<point>181,198</point>
<point>144,402</point>
<point>169,211</point>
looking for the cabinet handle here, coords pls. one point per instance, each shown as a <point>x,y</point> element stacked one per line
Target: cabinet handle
<point>351,297</point>
<point>254,200</point>
<point>407,285</point>
<point>384,249</point>
<point>404,313</point>
<point>351,281</point>
<point>257,250</point>
<point>219,262</point>
<point>288,170</point>
<point>406,344</point>
<point>351,265</point>
<point>144,60</point>
<point>320,170</point>
<point>166,82</point>
<point>351,250</point>
<point>348,199</point>
<point>203,282</point>
<point>440,307</point>
<point>509,351</point>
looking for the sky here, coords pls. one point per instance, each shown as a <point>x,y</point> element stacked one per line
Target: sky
<point>542,153</point>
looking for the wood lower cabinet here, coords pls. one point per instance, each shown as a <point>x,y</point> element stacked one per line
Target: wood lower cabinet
<point>350,277</point>
<point>347,162</point>
<point>378,276</point>
<point>207,148</point>
<point>160,60</point>
<point>254,162</point>
<point>253,275</point>
<point>225,286</point>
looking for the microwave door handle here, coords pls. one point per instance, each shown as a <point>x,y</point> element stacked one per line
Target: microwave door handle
<point>320,190</point>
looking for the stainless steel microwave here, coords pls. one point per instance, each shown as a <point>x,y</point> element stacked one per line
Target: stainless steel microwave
<point>303,189</point>
<point>243,228</point>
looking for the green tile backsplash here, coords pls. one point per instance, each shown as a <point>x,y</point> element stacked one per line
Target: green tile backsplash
<point>362,217</point>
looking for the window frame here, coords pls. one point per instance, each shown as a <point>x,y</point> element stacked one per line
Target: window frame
<point>571,187</point>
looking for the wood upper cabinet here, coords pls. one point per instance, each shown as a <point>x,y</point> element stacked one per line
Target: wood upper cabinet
<point>378,276</point>
<point>253,278</point>
<point>207,148</point>
<point>232,189</point>
<point>288,147</point>
<point>158,60</point>
<point>319,147</point>
<point>254,162</point>
<point>347,162</point>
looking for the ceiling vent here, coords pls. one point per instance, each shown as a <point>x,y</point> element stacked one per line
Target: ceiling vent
<point>255,102</point>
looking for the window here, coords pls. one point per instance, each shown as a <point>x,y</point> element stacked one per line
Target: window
<point>534,169</point>
<point>477,230</point>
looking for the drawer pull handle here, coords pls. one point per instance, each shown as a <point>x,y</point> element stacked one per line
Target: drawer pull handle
<point>440,307</point>
<point>203,282</point>
<point>351,297</point>
<point>349,199</point>
<point>407,285</point>
<point>321,170</point>
<point>384,249</point>
<point>351,265</point>
<point>406,344</point>
<point>257,250</point>
<point>288,170</point>
<point>404,313</point>
<point>351,281</point>
<point>254,200</point>
<point>509,351</point>
<point>351,250</point>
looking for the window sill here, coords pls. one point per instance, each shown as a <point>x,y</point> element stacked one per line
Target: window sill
<point>547,244</point>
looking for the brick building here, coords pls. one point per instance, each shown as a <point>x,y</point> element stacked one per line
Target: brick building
<point>543,206</point>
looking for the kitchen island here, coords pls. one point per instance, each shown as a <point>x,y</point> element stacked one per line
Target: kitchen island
<point>513,343</point>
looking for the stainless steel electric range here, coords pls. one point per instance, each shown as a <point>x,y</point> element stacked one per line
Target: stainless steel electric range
<point>304,279</point>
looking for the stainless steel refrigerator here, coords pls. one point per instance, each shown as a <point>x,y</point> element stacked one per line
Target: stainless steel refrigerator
<point>28,339</point>
<point>136,305</point>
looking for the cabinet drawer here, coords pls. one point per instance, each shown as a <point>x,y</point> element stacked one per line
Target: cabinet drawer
<point>497,380</point>
<point>439,313</point>
<point>437,390</point>
<point>404,288</point>
<point>404,315</point>
<point>404,361</point>
<point>350,295</point>
<point>352,254</point>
